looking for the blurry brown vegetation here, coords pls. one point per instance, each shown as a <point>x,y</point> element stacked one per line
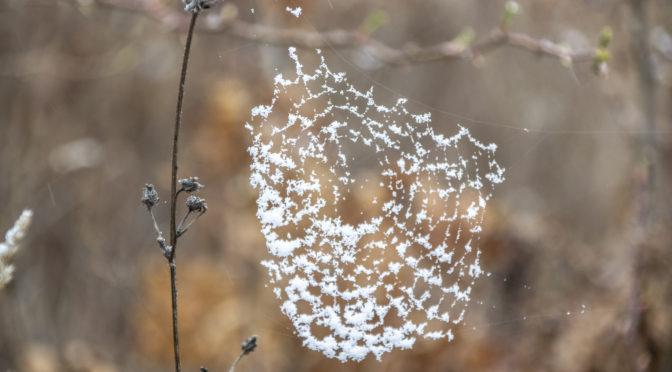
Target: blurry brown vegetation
<point>577,239</point>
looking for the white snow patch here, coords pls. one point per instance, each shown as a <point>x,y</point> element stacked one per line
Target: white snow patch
<point>296,12</point>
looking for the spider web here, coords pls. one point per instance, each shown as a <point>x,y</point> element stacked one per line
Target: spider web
<point>372,219</point>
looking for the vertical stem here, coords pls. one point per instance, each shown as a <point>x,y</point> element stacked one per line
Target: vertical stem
<point>176,135</point>
<point>645,172</point>
<point>176,333</point>
<point>173,193</point>
<point>235,364</point>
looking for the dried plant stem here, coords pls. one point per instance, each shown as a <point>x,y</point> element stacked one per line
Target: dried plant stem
<point>176,134</point>
<point>173,192</point>
<point>181,230</point>
<point>176,332</point>
<point>156,225</point>
<point>184,219</point>
<point>235,364</point>
<point>247,347</point>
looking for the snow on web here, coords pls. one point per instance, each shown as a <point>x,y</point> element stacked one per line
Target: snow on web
<point>296,12</point>
<point>372,218</point>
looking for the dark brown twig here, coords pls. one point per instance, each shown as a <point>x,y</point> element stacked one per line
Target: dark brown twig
<point>190,185</point>
<point>173,192</point>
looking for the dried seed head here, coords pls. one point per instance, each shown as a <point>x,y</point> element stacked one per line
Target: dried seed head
<point>11,245</point>
<point>196,6</point>
<point>149,196</point>
<point>249,345</point>
<point>190,184</point>
<point>196,204</point>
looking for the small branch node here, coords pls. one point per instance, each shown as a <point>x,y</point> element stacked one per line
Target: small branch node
<point>247,347</point>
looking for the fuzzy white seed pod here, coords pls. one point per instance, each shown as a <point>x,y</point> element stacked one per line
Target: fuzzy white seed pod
<point>10,246</point>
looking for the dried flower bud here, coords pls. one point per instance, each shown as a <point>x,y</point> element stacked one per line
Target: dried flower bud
<point>249,345</point>
<point>203,369</point>
<point>190,184</point>
<point>511,10</point>
<point>195,6</point>
<point>149,196</point>
<point>196,204</point>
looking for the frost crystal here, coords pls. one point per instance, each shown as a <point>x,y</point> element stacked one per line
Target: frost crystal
<point>296,12</point>
<point>371,217</point>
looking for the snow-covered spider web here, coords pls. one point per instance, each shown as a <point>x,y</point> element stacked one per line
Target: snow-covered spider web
<point>372,219</point>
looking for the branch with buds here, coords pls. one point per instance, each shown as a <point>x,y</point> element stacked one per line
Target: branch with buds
<point>461,46</point>
<point>196,206</point>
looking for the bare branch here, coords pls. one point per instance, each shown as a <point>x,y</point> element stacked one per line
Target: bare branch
<point>448,50</point>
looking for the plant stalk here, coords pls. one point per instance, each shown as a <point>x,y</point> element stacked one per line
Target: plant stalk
<point>173,192</point>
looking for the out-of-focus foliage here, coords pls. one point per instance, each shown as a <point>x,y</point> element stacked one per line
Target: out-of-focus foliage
<point>579,280</point>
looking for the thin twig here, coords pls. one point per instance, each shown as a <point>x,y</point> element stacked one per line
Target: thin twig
<point>156,225</point>
<point>181,231</point>
<point>448,50</point>
<point>173,192</point>
<point>176,333</point>
<point>176,134</point>
<point>644,172</point>
<point>184,219</point>
<point>235,364</point>
<point>247,347</point>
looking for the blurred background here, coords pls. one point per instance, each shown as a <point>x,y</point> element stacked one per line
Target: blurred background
<point>577,239</point>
